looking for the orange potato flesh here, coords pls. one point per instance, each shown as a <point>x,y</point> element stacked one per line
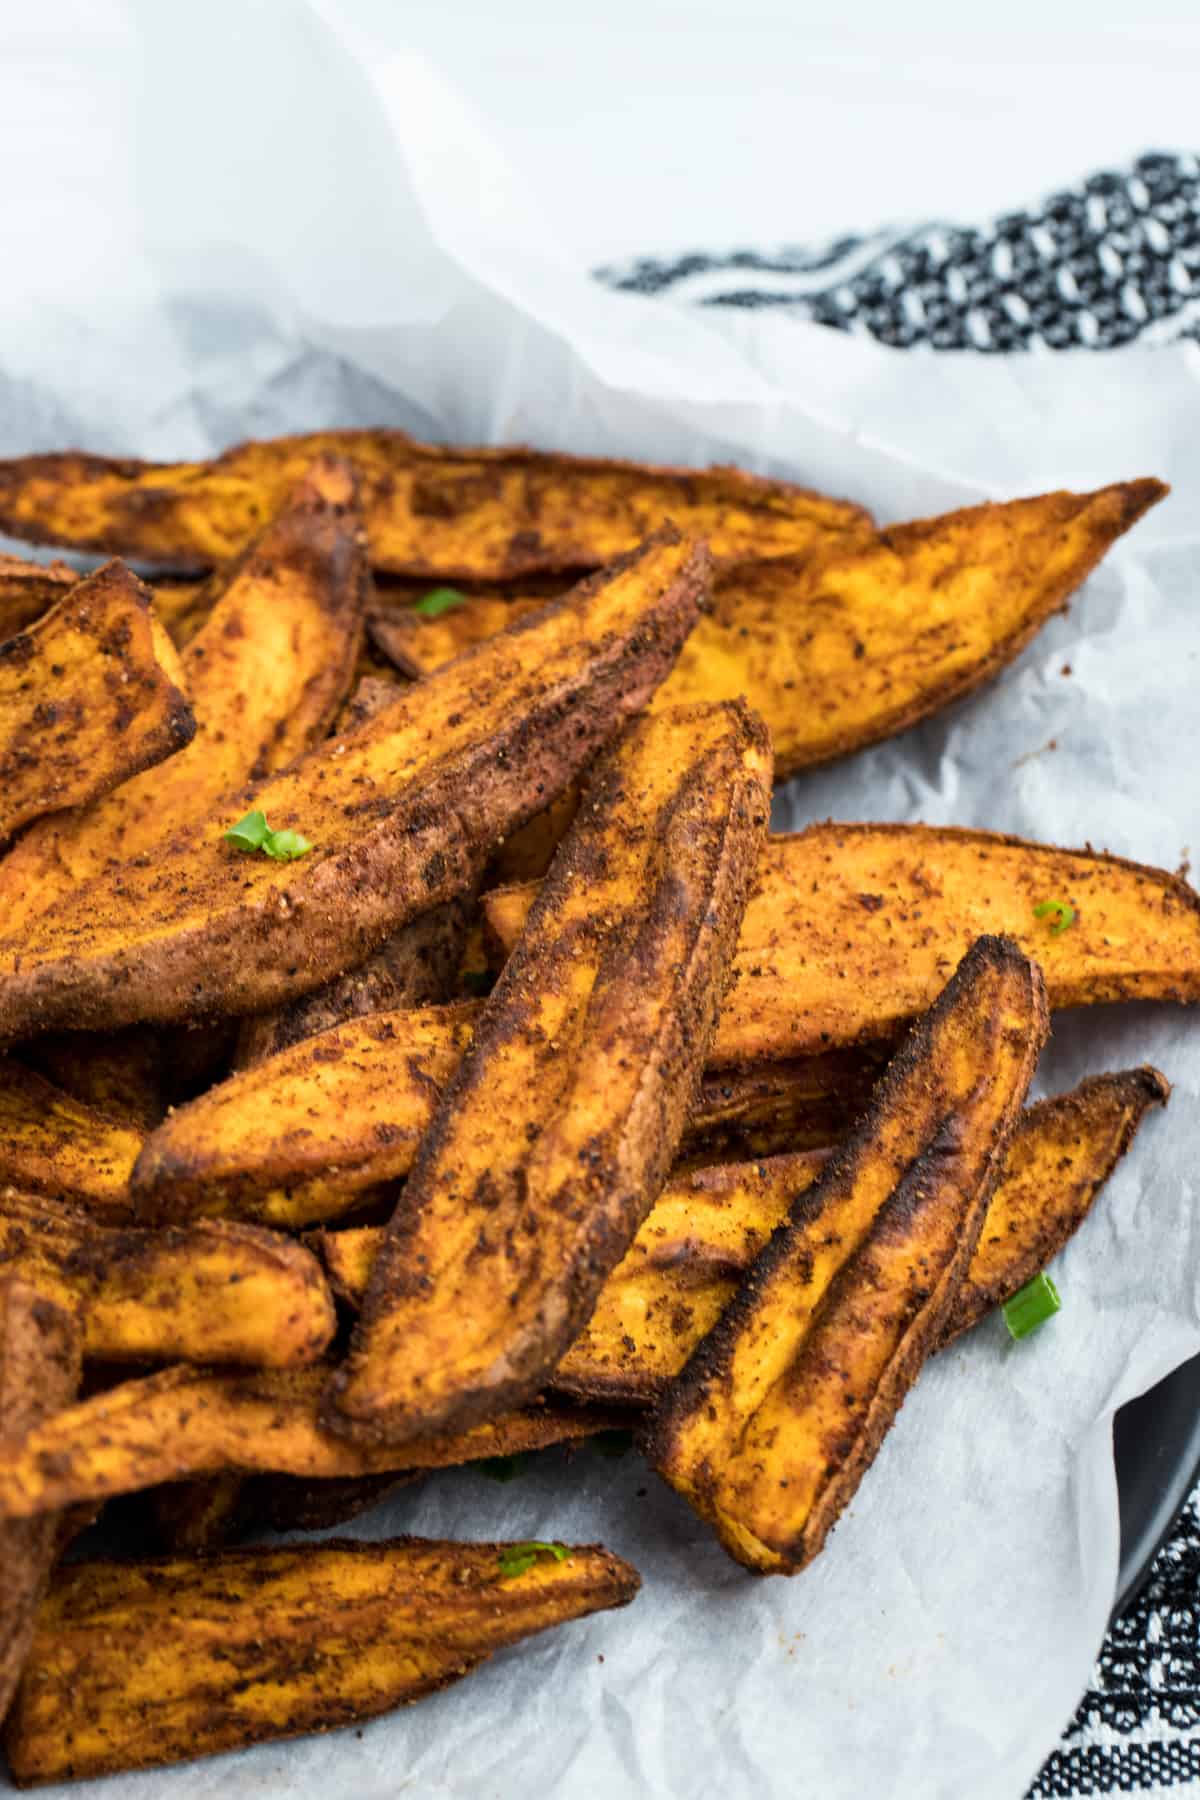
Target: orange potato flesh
<point>486,514</point>
<point>139,1664</point>
<point>29,589</point>
<point>90,695</point>
<point>399,814</point>
<point>211,1292</point>
<point>781,1408</point>
<point>52,1144</point>
<point>852,930</point>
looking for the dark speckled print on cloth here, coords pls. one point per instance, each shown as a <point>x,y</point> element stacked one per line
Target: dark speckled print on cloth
<point>1110,262</point>
<point>1114,260</point>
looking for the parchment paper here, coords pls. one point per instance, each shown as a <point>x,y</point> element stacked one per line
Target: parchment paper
<point>243,219</point>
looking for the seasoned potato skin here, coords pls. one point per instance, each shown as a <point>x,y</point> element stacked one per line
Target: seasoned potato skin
<point>782,1407</point>
<point>52,1144</point>
<point>186,1421</point>
<point>89,696</point>
<point>852,929</point>
<point>214,1292</point>
<point>559,1125</point>
<point>400,814</point>
<point>303,1138</point>
<point>414,967</point>
<point>482,514</point>
<point>266,675</point>
<point>139,1664</point>
<point>39,1373</point>
<point>841,647</point>
<point>708,1225</point>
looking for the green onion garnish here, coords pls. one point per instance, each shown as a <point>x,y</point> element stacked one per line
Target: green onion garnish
<point>285,846</point>
<point>515,1559</point>
<point>438,601</point>
<point>253,833</point>
<point>1060,910</point>
<point>1031,1306</point>
<point>502,1468</point>
<point>250,833</point>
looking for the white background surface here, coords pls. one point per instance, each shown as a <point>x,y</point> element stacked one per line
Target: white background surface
<point>222,223</point>
<point>647,125</point>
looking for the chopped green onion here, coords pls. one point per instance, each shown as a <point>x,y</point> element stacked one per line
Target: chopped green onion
<point>438,601</point>
<point>250,833</point>
<point>1061,910</point>
<point>502,1468</point>
<point>253,833</point>
<point>515,1559</point>
<point>286,845</point>
<point>1031,1306</point>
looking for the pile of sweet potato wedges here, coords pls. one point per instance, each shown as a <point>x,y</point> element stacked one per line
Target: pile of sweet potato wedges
<point>416,1049</point>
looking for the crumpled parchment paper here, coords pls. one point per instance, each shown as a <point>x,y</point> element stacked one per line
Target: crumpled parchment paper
<point>244,218</point>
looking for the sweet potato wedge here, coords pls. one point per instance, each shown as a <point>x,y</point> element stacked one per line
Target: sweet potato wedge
<point>852,929</point>
<point>139,1664</point>
<point>839,649</point>
<point>1062,1153</point>
<point>305,1137</point>
<point>483,514</point>
<point>213,1292</point>
<point>708,1225</point>
<point>266,675</point>
<point>415,967</point>
<point>588,1054</point>
<point>39,1373</point>
<point>400,814</point>
<point>186,1421</point>
<point>89,695</point>
<point>780,1410</point>
<point>52,1144</point>
<point>29,589</point>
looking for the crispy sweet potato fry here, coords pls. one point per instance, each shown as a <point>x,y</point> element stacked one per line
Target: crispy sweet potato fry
<point>705,1230</point>
<point>852,929</point>
<point>135,1665</point>
<point>39,1373</point>
<point>211,1292</point>
<point>415,967</point>
<point>476,514</point>
<point>779,1412</point>
<point>29,589</point>
<point>122,1074</point>
<point>186,1421</point>
<point>1062,1153</point>
<point>306,1136</point>
<point>266,676</point>
<point>839,649</point>
<point>559,1126</point>
<point>52,1144</point>
<point>90,695</point>
<point>400,814</point>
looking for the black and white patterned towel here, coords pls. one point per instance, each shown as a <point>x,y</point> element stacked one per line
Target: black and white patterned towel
<point>1113,261</point>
